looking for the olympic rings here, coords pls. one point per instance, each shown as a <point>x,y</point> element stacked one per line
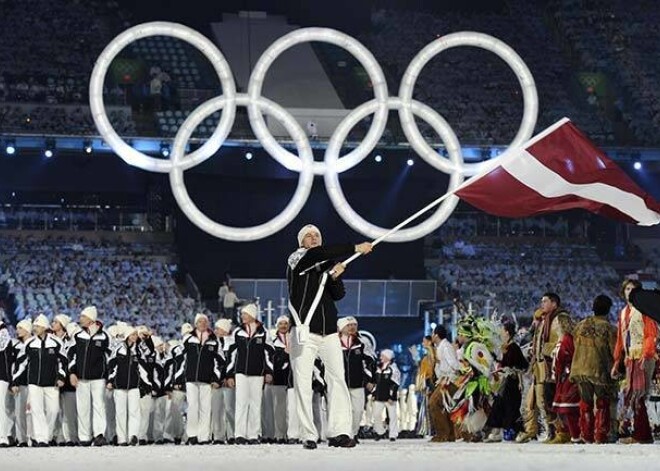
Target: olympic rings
<point>303,163</point>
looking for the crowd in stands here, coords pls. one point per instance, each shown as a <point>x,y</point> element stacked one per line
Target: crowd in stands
<point>127,282</point>
<point>76,219</point>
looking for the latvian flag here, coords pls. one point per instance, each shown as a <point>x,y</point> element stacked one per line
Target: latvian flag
<point>557,170</point>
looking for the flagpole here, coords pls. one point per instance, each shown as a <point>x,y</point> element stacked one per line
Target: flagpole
<point>490,166</point>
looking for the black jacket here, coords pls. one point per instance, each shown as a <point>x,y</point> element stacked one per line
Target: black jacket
<point>88,357</point>
<point>203,363</point>
<point>358,364</point>
<point>7,355</point>
<point>43,359</point>
<point>318,377</point>
<point>68,343</point>
<point>388,379</point>
<point>281,362</point>
<point>163,373</point>
<point>178,367</point>
<point>19,377</point>
<point>303,288</point>
<point>251,353</point>
<point>127,368</point>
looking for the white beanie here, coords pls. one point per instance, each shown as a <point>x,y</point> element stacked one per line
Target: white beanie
<point>26,325</point>
<point>305,230</point>
<point>344,321</point>
<point>283,319</point>
<point>63,319</point>
<point>157,341</point>
<point>388,354</point>
<point>186,328</point>
<point>250,310</point>
<point>200,316</point>
<point>127,330</point>
<point>143,330</point>
<point>72,329</point>
<point>224,324</point>
<point>41,321</point>
<point>90,313</point>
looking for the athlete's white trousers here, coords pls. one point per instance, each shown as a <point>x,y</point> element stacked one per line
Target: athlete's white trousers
<point>23,427</point>
<point>110,414</point>
<point>174,417</point>
<point>328,348</point>
<point>6,403</point>
<point>249,396</point>
<point>229,397</point>
<point>67,420</point>
<point>159,416</point>
<point>379,420</point>
<point>292,422</point>
<point>90,404</point>
<point>146,408</point>
<point>44,407</point>
<point>279,397</point>
<point>199,411</point>
<point>357,408</point>
<point>267,415</point>
<point>127,408</point>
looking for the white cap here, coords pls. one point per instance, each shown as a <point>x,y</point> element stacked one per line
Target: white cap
<point>143,330</point>
<point>283,319</point>
<point>200,316</point>
<point>26,325</point>
<point>186,328</point>
<point>388,354</point>
<point>63,319</point>
<point>344,321</point>
<point>127,330</point>
<point>306,230</point>
<point>250,310</point>
<point>41,321</point>
<point>90,313</point>
<point>157,341</point>
<point>72,329</point>
<point>224,324</point>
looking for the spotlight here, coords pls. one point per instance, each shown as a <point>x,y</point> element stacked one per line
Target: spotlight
<point>165,149</point>
<point>637,165</point>
<point>378,158</point>
<point>10,148</point>
<point>410,162</point>
<point>49,151</point>
<point>87,146</point>
<point>433,325</point>
<point>248,155</point>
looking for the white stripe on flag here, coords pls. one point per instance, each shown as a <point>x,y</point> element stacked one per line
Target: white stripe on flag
<point>533,174</point>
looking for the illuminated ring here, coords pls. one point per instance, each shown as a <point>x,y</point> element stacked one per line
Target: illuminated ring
<point>357,222</point>
<point>241,234</point>
<point>483,41</point>
<point>361,53</point>
<point>98,111</point>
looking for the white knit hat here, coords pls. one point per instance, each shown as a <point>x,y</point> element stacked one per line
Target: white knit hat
<point>90,313</point>
<point>305,230</point>
<point>63,319</point>
<point>26,325</point>
<point>344,321</point>
<point>186,328</point>
<point>199,316</point>
<point>72,329</point>
<point>250,310</point>
<point>157,341</point>
<point>283,319</point>
<point>41,321</point>
<point>127,330</point>
<point>224,324</point>
<point>143,330</point>
<point>388,354</point>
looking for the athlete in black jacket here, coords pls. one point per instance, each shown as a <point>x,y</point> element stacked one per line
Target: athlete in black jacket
<point>7,357</point>
<point>304,274</point>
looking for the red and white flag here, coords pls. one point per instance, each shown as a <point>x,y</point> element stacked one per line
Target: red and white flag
<point>559,169</point>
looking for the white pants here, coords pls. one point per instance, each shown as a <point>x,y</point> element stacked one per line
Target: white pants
<point>20,415</point>
<point>229,396</point>
<point>44,407</point>
<point>174,417</point>
<point>67,420</point>
<point>146,408</point>
<point>357,408</point>
<point>328,348</point>
<point>292,422</point>
<point>379,421</point>
<point>249,394</point>
<point>110,413</point>
<point>319,412</point>
<point>279,396</point>
<point>127,418</point>
<point>5,413</point>
<point>199,411</point>
<point>218,421</point>
<point>267,414</point>
<point>159,416</point>
<point>90,403</point>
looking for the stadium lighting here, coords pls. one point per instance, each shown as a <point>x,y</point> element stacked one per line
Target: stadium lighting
<point>378,158</point>
<point>87,147</point>
<point>10,148</point>
<point>49,150</point>
<point>165,149</point>
<point>637,165</point>
<point>248,155</point>
<point>410,162</point>
<point>48,153</point>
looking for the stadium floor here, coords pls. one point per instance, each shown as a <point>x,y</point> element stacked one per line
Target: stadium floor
<point>407,455</point>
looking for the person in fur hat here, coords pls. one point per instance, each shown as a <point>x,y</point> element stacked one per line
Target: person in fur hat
<point>66,430</point>
<point>566,402</point>
<point>19,384</point>
<point>224,399</point>
<point>387,381</point>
